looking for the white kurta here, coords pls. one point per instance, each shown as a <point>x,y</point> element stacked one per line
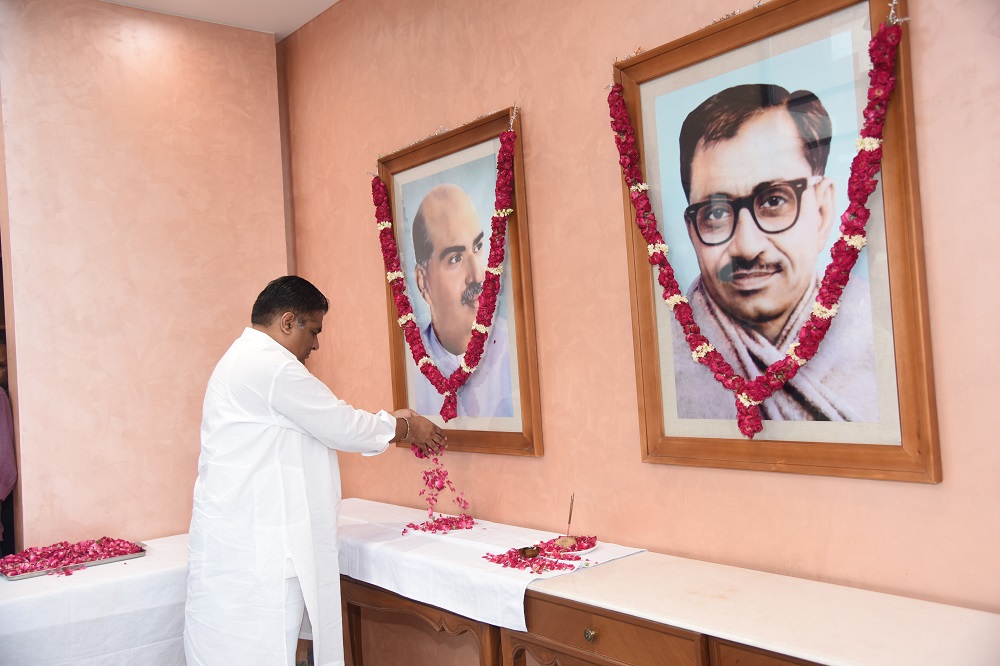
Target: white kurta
<point>267,494</point>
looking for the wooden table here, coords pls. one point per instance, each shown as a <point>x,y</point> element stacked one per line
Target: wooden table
<point>651,608</point>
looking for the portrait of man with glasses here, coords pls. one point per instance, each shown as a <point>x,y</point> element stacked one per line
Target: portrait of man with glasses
<point>760,212</point>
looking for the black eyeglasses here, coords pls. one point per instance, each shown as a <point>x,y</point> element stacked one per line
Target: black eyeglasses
<point>774,207</point>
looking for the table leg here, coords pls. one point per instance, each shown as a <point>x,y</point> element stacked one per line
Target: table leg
<point>354,633</point>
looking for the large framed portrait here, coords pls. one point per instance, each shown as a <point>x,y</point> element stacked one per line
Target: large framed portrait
<point>747,130</point>
<point>442,198</point>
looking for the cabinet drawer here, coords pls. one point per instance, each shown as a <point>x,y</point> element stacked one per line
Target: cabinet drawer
<point>725,653</point>
<point>566,624</point>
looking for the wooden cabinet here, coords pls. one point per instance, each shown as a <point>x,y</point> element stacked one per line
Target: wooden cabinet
<point>566,633</point>
<point>727,653</point>
<point>359,597</point>
<point>560,633</point>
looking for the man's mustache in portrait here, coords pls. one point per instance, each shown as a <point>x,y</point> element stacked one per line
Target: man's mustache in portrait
<point>738,265</point>
<point>471,293</point>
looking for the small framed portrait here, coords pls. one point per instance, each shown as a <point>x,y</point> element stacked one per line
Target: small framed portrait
<point>747,132</point>
<point>442,195</point>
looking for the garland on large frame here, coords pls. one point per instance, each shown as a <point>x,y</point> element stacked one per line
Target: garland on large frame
<point>750,394</point>
<point>449,386</point>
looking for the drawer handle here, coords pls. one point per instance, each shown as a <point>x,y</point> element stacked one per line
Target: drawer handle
<point>589,635</point>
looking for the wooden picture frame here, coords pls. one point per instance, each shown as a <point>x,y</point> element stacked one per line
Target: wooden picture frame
<point>501,412</point>
<point>661,87</point>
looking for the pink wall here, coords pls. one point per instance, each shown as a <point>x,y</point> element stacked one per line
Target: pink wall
<point>145,213</point>
<point>370,76</point>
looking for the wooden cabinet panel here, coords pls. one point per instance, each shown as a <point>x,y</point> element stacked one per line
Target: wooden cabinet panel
<point>584,634</point>
<point>560,633</point>
<point>358,598</point>
<point>725,653</point>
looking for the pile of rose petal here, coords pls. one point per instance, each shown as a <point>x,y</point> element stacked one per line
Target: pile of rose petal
<point>435,480</point>
<point>550,556</point>
<point>64,554</point>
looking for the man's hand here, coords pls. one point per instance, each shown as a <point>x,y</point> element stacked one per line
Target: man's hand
<point>426,436</point>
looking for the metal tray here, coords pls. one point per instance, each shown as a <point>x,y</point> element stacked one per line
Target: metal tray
<point>81,565</point>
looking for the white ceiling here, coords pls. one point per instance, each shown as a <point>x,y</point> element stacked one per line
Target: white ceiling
<point>280,17</point>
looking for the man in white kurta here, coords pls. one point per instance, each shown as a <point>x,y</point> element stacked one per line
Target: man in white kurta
<point>267,496</point>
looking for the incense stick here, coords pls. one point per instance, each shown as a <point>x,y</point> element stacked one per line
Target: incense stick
<point>569,521</point>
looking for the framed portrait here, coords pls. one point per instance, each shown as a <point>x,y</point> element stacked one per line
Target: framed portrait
<point>747,130</point>
<point>442,198</point>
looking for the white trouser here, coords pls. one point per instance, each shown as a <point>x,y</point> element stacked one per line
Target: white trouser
<point>295,606</point>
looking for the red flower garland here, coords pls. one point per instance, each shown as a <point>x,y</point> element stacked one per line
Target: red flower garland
<point>449,386</point>
<point>867,163</point>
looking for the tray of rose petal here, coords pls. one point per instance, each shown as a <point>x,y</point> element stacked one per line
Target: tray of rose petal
<point>64,558</point>
<point>558,554</point>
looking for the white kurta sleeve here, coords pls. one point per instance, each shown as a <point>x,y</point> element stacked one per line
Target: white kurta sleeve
<point>303,399</point>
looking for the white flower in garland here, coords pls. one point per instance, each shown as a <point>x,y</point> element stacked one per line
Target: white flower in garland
<point>395,275</point>
<point>496,271</point>
<point>405,318</point>
<point>747,402</point>
<point>792,355</point>
<point>503,212</point>
<point>857,242</point>
<point>702,351</point>
<point>824,312</point>
<point>639,187</point>
<point>425,359</point>
<point>868,143</point>
<point>653,248</point>
<point>467,368</point>
<point>480,328</point>
<point>383,225</point>
<point>674,300</point>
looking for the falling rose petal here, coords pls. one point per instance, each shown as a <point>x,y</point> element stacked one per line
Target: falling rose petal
<point>436,480</point>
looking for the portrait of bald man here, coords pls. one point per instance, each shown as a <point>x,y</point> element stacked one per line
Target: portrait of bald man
<point>451,256</point>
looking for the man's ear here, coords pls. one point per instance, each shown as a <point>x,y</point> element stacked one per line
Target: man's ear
<point>826,191</point>
<point>286,322</point>
<point>420,275</point>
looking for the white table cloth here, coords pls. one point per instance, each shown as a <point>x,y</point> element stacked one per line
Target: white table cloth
<point>122,613</point>
<point>132,612</point>
<point>446,570</point>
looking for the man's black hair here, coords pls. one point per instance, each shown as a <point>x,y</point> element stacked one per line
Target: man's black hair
<point>721,116</point>
<point>422,245</point>
<point>289,293</point>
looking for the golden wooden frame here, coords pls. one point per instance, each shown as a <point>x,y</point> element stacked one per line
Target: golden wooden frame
<point>917,458</point>
<point>528,441</point>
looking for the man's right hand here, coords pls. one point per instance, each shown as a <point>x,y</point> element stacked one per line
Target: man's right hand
<point>427,436</point>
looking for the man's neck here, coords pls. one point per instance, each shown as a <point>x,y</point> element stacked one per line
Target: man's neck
<point>777,330</point>
<point>437,337</point>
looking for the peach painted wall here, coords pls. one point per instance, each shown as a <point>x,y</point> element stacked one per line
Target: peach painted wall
<point>145,207</point>
<point>370,76</point>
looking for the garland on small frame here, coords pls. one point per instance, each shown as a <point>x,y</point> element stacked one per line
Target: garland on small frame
<point>866,165</point>
<point>449,386</point>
